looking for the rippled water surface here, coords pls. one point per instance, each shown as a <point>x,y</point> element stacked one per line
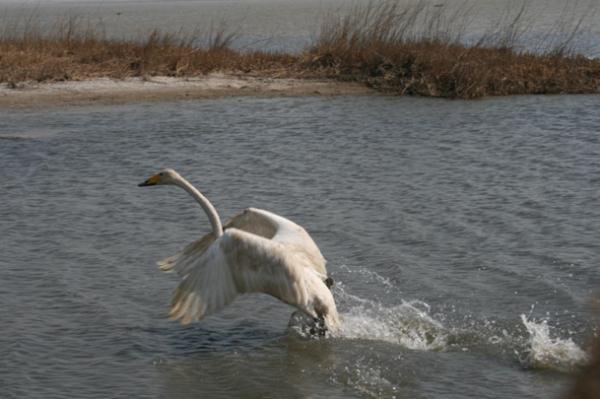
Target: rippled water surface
<point>463,237</point>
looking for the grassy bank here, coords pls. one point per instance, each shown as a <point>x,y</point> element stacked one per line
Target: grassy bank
<point>396,48</point>
<point>74,51</point>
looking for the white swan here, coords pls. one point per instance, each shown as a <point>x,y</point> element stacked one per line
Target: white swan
<point>256,251</point>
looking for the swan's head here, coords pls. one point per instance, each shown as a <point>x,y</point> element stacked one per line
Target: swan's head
<point>165,176</point>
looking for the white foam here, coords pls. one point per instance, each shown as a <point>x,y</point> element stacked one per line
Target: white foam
<point>551,353</point>
<point>408,324</point>
<point>411,324</point>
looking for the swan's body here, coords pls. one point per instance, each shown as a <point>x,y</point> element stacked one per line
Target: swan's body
<point>256,251</point>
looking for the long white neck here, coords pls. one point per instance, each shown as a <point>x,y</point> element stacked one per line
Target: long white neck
<point>210,210</point>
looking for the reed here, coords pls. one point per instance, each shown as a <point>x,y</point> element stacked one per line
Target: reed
<point>392,46</point>
<point>76,50</point>
<point>420,49</point>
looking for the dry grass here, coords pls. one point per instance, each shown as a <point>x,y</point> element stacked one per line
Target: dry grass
<point>73,51</point>
<point>404,49</point>
<point>419,50</point>
<point>587,384</point>
<point>587,381</point>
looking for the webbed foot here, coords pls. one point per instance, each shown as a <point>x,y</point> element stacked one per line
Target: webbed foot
<point>319,328</point>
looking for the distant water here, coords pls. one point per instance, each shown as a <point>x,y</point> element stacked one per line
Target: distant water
<point>292,24</point>
<point>463,238</point>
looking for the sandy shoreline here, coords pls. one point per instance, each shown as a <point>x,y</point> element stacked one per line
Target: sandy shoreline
<point>111,91</point>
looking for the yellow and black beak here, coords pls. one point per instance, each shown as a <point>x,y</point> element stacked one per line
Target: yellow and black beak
<point>153,180</point>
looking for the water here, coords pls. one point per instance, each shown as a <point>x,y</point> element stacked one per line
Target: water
<point>462,237</point>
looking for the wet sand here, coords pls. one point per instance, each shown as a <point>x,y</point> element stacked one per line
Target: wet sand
<point>111,91</point>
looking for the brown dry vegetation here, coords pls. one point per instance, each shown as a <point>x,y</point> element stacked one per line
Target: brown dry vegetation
<point>587,381</point>
<point>454,71</point>
<point>419,50</point>
<point>587,384</point>
<point>71,53</point>
<point>407,50</point>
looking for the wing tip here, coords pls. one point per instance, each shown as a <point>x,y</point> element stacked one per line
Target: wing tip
<point>168,264</point>
<point>165,267</point>
<point>186,307</point>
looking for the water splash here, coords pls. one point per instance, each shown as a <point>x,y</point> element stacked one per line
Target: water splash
<point>369,276</point>
<point>412,325</point>
<point>408,324</point>
<point>550,353</point>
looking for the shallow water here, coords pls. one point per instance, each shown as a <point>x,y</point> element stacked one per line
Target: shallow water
<point>462,237</point>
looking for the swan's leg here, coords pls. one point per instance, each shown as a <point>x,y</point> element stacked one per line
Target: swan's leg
<point>312,324</point>
<point>319,328</point>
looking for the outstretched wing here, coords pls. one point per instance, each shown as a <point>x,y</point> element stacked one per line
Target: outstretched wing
<point>261,223</point>
<point>286,232</point>
<point>241,262</point>
<point>207,284</point>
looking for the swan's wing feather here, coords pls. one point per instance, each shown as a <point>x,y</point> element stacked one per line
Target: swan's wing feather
<point>240,262</point>
<point>279,229</point>
<point>247,220</point>
<point>262,265</point>
<point>207,286</point>
<point>183,260</point>
<point>254,222</point>
<point>261,223</point>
